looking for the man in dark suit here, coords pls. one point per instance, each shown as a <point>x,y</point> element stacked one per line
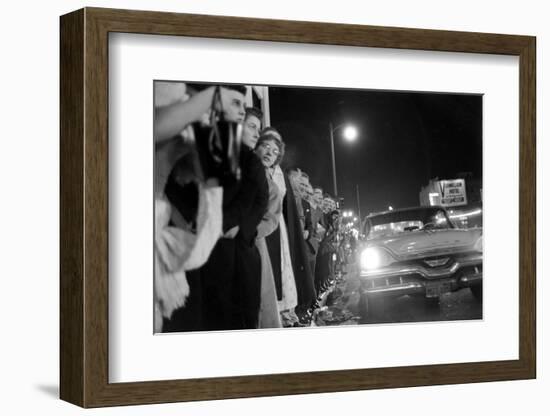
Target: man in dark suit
<point>295,222</point>
<point>246,209</point>
<point>313,218</point>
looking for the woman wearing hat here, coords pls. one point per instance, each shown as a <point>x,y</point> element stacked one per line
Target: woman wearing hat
<point>270,150</point>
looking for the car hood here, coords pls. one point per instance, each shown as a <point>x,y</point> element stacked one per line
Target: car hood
<point>426,243</point>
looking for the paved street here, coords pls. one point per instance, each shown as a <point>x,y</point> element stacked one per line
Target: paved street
<point>344,306</point>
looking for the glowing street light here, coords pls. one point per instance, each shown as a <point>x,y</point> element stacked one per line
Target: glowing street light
<point>350,135</point>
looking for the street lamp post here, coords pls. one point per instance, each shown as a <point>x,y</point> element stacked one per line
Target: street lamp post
<point>358,200</point>
<point>350,133</point>
<point>335,186</point>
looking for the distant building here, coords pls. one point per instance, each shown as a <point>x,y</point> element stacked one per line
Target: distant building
<point>462,196</point>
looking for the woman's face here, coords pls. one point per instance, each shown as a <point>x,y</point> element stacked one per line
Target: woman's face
<point>268,151</point>
<point>251,130</point>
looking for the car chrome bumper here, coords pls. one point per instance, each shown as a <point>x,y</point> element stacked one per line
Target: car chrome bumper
<point>397,290</point>
<point>386,285</point>
<point>425,272</point>
<point>470,280</point>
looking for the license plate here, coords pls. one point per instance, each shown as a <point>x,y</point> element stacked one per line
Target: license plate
<point>436,289</point>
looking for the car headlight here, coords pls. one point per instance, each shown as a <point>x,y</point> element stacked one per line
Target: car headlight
<point>373,258</point>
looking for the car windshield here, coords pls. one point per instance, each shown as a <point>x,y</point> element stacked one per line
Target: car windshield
<point>398,222</point>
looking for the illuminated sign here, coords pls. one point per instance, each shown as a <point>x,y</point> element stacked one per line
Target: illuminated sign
<point>453,192</point>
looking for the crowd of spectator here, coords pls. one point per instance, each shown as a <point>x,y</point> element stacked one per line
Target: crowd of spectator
<point>240,242</point>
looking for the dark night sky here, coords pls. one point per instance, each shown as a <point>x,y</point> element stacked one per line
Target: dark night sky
<point>404,140</point>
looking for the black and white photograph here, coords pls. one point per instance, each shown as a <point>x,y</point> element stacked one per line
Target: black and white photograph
<point>295,207</point>
<point>270,208</point>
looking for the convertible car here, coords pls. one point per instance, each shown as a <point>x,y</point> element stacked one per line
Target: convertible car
<point>419,252</point>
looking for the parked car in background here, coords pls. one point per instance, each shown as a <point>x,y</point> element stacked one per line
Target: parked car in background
<point>418,252</point>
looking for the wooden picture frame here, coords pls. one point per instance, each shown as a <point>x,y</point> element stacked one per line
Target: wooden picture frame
<point>84,207</point>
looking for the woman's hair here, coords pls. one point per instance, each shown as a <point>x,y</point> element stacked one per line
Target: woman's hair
<point>293,169</point>
<point>269,136</point>
<point>253,111</point>
<point>272,130</point>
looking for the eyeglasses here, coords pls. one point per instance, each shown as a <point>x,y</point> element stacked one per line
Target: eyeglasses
<point>274,150</point>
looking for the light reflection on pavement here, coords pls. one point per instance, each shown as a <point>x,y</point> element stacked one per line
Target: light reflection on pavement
<point>343,307</point>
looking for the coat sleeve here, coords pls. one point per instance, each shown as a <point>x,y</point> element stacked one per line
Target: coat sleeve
<point>249,204</point>
<point>209,225</point>
<point>178,250</point>
<point>307,217</point>
<point>270,220</point>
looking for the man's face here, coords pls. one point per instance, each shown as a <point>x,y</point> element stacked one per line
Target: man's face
<point>251,130</point>
<point>309,194</point>
<point>233,105</point>
<point>326,204</point>
<point>303,186</point>
<point>318,196</point>
<point>294,178</point>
